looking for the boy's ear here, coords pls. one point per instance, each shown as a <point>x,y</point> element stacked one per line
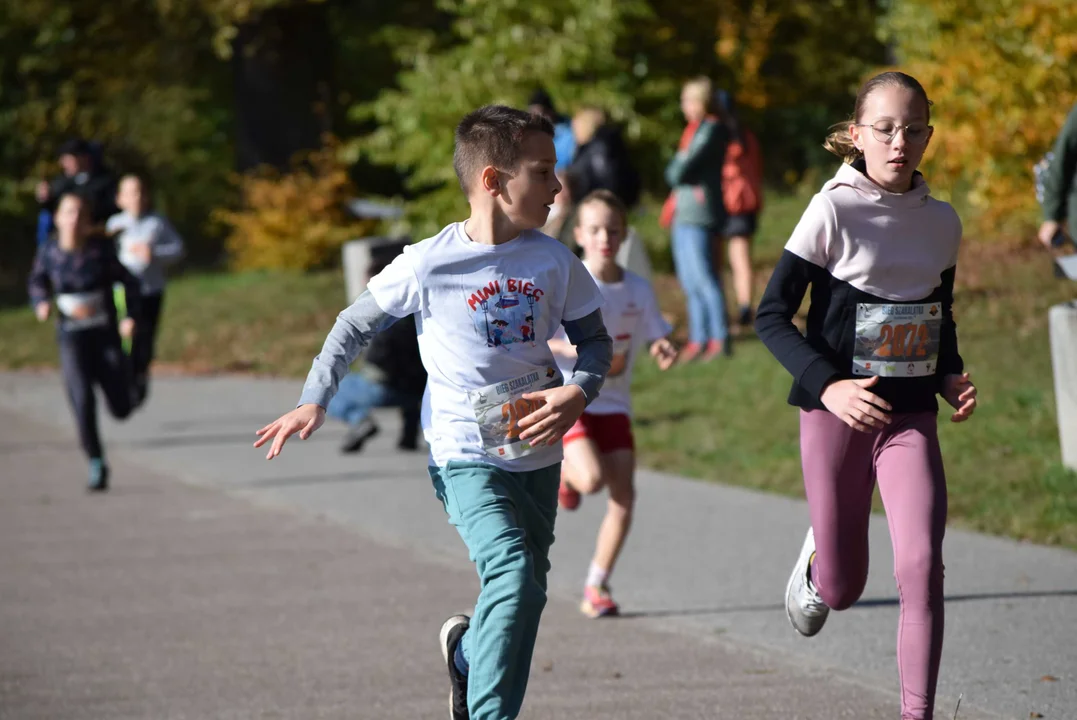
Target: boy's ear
<point>490,181</point>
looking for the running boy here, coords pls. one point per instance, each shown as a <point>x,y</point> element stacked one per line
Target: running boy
<point>494,411</point>
<point>599,449</point>
<point>77,269</point>
<point>880,255</point>
<point>147,245</point>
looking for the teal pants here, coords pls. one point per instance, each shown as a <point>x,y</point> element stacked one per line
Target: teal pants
<point>506,520</point>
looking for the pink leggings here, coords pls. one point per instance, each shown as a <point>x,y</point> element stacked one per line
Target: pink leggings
<point>841,467</point>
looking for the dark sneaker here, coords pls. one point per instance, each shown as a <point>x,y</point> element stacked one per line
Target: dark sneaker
<point>357,435</point>
<point>98,475</point>
<point>408,444</point>
<point>451,633</point>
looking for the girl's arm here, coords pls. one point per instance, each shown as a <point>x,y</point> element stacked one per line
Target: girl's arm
<point>38,285</point>
<point>167,243</point>
<point>117,273</point>
<point>949,362</point>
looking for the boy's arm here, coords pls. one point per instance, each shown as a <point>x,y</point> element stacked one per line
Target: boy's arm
<point>355,327</point>
<point>1060,172</point>
<point>594,353</point>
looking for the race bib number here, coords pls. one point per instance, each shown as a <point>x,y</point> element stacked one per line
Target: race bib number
<point>82,310</point>
<point>899,340</point>
<point>500,407</point>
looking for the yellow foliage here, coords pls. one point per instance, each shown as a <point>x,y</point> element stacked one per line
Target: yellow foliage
<point>1001,76</point>
<point>295,220</point>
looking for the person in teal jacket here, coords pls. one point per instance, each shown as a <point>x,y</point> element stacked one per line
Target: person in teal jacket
<point>695,174</point>
<point>1060,184</point>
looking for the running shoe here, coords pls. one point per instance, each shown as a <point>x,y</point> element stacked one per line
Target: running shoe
<point>98,475</point>
<point>567,497</point>
<point>449,638</point>
<point>597,602</point>
<point>805,607</point>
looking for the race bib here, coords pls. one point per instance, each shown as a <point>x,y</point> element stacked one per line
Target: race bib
<point>82,310</point>
<point>899,340</point>
<point>500,407</point>
<point>622,348</point>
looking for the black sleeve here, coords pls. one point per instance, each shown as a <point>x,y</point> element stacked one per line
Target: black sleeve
<point>949,361</point>
<point>774,323</point>
<point>39,285</point>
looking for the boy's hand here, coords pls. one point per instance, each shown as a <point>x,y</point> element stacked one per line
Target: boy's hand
<point>857,407</point>
<point>127,328</point>
<point>959,391</point>
<point>42,310</point>
<point>664,353</point>
<point>559,409</point>
<point>305,419</point>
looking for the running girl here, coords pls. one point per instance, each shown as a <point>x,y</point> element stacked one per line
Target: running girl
<point>880,254</point>
<point>77,269</point>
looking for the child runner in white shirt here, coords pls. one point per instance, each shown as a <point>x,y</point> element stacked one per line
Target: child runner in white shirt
<point>146,244</point>
<point>487,295</point>
<point>599,449</point>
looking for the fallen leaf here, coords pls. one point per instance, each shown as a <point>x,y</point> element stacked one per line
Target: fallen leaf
<point>1048,678</point>
<point>617,676</point>
<point>548,667</point>
<point>1035,714</point>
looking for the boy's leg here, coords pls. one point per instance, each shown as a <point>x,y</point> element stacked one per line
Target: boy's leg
<point>411,408</point>
<point>356,397</point>
<point>913,487</point>
<point>506,521</point>
<point>620,468</point>
<point>582,467</point>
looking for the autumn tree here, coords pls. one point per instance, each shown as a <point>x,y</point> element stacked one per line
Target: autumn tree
<point>1001,75</point>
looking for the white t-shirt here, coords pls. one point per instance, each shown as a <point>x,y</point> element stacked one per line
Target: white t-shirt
<point>165,243</point>
<point>632,319</point>
<point>485,316</point>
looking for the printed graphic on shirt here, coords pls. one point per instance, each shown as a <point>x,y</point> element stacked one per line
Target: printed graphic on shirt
<point>500,407</point>
<point>622,342</point>
<point>505,311</point>
<point>897,340</point>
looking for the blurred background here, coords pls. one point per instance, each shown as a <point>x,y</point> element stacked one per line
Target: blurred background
<point>259,121</point>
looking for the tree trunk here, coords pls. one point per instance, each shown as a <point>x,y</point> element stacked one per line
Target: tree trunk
<point>282,61</point>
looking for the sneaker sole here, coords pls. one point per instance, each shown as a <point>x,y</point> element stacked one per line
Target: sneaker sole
<point>446,628</point>
<point>593,613</point>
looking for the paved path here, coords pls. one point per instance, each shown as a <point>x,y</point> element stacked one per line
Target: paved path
<point>312,587</point>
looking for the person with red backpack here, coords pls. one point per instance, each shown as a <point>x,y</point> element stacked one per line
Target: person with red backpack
<point>742,192</point>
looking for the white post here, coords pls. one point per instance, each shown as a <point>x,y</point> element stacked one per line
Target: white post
<point>1063,328</point>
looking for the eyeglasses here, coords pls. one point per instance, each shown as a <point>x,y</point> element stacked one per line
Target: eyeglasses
<point>885,131</point>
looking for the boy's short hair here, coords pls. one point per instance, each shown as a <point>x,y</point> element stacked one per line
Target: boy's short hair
<point>491,136</point>
<point>607,198</point>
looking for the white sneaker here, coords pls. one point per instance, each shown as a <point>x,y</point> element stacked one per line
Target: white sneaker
<point>806,610</point>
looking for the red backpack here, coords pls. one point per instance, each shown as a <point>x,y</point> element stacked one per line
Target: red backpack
<point>742,176</point>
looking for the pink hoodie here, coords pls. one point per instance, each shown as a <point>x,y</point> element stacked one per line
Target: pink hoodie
<point>891,245</point>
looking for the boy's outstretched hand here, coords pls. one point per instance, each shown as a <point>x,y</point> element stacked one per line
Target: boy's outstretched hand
<point>558,410</point>
<point>959,391</point>
<point>664,353</point>
<point>304,420</point>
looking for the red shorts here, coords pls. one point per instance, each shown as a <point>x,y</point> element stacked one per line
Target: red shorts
<point>608,432</point>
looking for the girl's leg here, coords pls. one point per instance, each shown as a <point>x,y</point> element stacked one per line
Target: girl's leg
<point>838,482</point>
<point>686,260</point>
<point>913,487</point>
<point>740,262</point>
<point>112,371</point>
<point>78,381</point>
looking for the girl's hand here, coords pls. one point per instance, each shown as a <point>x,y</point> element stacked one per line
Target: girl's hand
<point>664,353</point>
<point>855,405</point>
<point>558,410</point>
<point>42,310</point>
<point>305,419</point>
<point>959,391</point>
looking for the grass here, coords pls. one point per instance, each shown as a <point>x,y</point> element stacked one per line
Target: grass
<point>725,422</point>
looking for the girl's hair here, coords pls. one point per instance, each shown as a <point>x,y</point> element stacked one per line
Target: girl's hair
<point>840,142</point>
<point>87,202</point>
<point>726,109</point>
<point>702,89</point>
<point>608,199</point>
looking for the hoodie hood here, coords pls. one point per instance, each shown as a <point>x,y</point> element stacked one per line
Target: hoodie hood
<point>854,176</point>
